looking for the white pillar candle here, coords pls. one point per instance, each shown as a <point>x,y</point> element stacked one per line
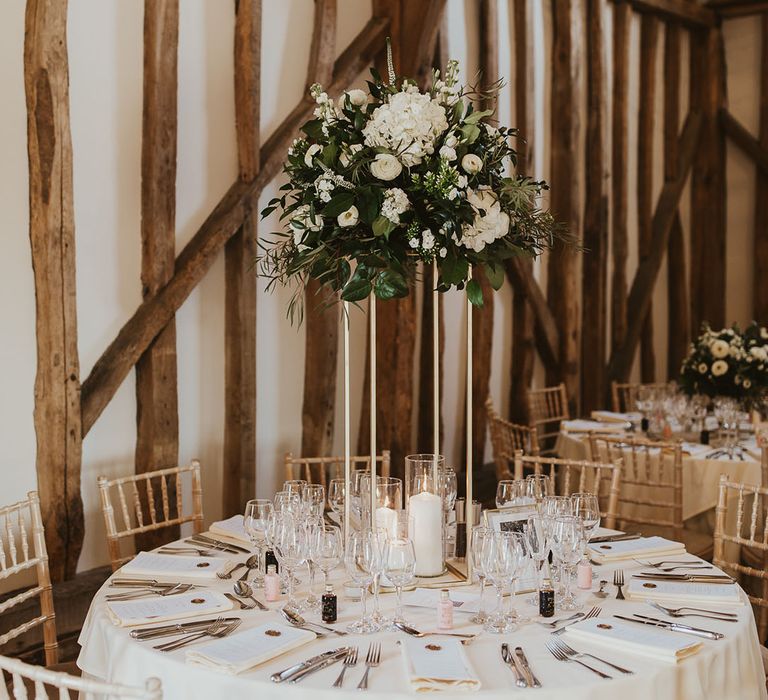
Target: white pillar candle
<point>426,511</point>
<point>386,520</point>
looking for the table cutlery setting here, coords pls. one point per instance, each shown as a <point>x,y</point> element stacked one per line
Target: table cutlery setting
<point>591,613</point>
<point>212,543</point>
<point>219,628</point>
<point>518,663</point>
<point>700,612</point>
<point>298,621</point>
<point>160,590</point>
<point>315,663</point>
<point>672,626</point>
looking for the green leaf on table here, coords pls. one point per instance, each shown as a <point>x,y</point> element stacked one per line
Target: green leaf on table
<point>390,285</point>
<point>339,203</point>
<point>474,292</point>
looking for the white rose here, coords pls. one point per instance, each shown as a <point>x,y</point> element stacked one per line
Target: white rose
<point>719,368</point>
<point>357,97</point>
<point>443,252</point>
<point>386,167</point>
<point>764,333</point>
<point>471,163</point>
<point>747,383</point>
<point>427,239</point>
<point>348,218</point>
<point>448,153</point>
<point>451,141</point>
<point>719,349</point>
<point>414,243</point>
<point>310,154</point>
<point>702,368</point>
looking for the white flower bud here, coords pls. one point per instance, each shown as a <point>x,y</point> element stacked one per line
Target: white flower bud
<point>348,218</point>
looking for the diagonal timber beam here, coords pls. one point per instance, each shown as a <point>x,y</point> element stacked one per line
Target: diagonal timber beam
<point>648,270</point>
<point>739,134</point>
<point>199,254</point>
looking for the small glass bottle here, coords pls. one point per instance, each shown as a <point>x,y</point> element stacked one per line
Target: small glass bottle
<point>329,604</point>
<point>271,584</point>
<point>546,599</point>
<point>271,560</point>
<point>584,574</point>
<point>445,611</point>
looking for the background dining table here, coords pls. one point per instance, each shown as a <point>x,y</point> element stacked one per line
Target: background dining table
<point>730,668</point>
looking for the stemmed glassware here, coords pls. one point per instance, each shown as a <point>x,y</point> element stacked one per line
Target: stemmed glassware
<point>476,544</point>
<point>400,567</point>
<point>567,544</point>
<point>326,549</point>
<point>501,560</point>
<point>538,487</point>
<point>289,537</point>
<point>537,540</point>
<point>447,485</point>
<point>297,486</point>
<point>255,520</point>
<point>726,411</point>
<point>337,491</point>
<point>509,492</point>
<point>362,560</point>
<point>587,508</point>
<point>313,501</point>
<point>288,502</point>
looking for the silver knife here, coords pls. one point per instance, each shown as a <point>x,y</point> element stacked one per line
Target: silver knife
<point>287,673</point>
<point>673,626</point>
<point>219,543</point>
<point>689,578</point>
<point>181,628</point>
<point>532,680</point>
<point>511,661</point>
<point>338,656</point>
<point>615,538</point>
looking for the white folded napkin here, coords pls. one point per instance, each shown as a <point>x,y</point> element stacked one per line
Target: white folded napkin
<point>696,449</point>
<point>429,598</point>
<point>126,613</point>
<point>584,426</point>
<point>437,664</point>
<point>606,552</point>
<point>615,416</point>
<point>240,652</point>
<point>232,528</point>
<point>685,592</point>
<point>641,640</point>
<point>151,564</point>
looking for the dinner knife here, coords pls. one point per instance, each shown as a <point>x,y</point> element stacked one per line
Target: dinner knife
<point>512,662</point>
<point>288,673</point>
<point>219,543</point>
<point>672,626</point>
<point>615,538</point>
<point>342,653</point>
<point>686,578</point>
<point>180,628</point>
<point>532,680</point>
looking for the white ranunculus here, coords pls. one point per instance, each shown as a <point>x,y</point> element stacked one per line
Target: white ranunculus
<point>448,153</point>
<point>386,167</point>
<point>443,252</point>
<point>702,368</point>
<point>719,368</point>
<point>427,239</point>
<point>309,156</point>
<point>471,163</point>
<point>490,222</point>
<point>357,97</point>
<point>348,218</point>
<point>719,349</point>
<point>414,242</point>
<point>747,383</point>
<point>759,353</point>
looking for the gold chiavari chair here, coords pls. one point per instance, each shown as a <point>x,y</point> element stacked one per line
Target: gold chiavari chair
<point>623,396</point>
<point>546,409</point>
<point>142,514</point>
<point>27,681</point>
<point>321,470</point>
<point>22,549</point>
<point>750,530</point>
<point>652,488</point>
<point>569,476</point>
<point>506,439</point>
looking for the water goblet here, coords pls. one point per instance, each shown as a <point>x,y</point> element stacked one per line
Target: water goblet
<point>568,543</point>
<point>255,519</point>
<point>326,549</point>
<point>509,492</point>
<point>499,563</point>
<point>290,546</point>
<point>361,560</point>
<point>400,568</point>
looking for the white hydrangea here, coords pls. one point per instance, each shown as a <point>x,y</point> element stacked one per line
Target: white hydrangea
<point>395,203</point>
<point>489,224</point>
<point>303,221</point>
<point>408,125</point>
<point>427,239</point>
<point>324,185</point>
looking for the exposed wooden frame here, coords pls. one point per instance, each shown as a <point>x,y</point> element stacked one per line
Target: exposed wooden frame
<point>649,39</point>
<point>741,137</point>
<point>688,12</point>
<point>760,243</point>
<point>157,416</point>
<point>199,254</point>
<point>52,236</point>
<point>566,195</point>
<point>595,264</point>
<point>728,9</point>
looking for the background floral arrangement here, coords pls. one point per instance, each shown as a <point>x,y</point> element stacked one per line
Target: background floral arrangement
<point>728,362</point>
<point>386,178</point>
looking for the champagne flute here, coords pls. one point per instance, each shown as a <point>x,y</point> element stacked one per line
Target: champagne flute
<point>538,545</point>
<point>400,567</point>
<point>337,491</point>
<point>499,565</point>
<point>361,559</point>
<point>255,519</point>
<point>475,549</point>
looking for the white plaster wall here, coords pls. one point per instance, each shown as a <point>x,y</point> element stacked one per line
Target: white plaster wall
<point>105,53</point>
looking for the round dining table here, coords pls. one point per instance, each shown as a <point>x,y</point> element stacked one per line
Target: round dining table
<point>727,668</point>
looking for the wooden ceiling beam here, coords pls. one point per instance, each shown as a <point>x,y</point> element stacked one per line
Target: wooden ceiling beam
<point>729,9</point>
<point>198,255</point>
<point>688,12</point>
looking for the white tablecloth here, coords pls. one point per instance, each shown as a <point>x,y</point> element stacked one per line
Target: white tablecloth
<point>727,669</point>
<point>701,477</point>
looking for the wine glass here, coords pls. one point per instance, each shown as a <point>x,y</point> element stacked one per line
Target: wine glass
<point>568,543</point>
<point>400,567</point>
<point>326,549</point>
<point>290,545</point>
<point>475,549</point>
<point>255,519</point>
<point>509,492</point>
<point>538,487</point>
<point>362,560</point>
<point>337,490</point>
<point>500,562</point>
<point>312,525</point>
<point>520,559</point>
<point>287,502</point>
<point>536,538</point>
<point>587,508</point>
<point>447,485</point>
<point>313,501</point>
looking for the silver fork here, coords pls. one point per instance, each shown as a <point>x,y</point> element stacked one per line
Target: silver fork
<point>593,612</point>
<point>178,588</point>
<point>371,660</point>
<point>561,656</point>
<point>227,571</point>
<point>659,567</point>
<point>570,651</point>
<point>710,614</point>
<point>349,660</point>
<point>618,581</point>
<point>555,623</point>
<point>216,626</point>
<point>223,630</point>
